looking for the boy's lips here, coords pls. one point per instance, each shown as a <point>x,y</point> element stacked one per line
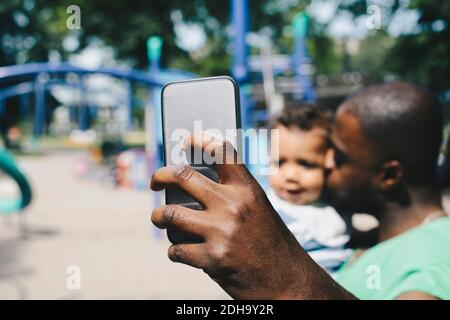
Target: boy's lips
<point>294,191</point>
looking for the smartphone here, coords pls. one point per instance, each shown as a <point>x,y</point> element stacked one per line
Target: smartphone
<point>210,105</point>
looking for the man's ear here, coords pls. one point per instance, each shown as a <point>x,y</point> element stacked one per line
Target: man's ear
<point>390,175</point>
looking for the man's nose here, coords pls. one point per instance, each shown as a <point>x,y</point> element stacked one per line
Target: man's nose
<point>329,159</point>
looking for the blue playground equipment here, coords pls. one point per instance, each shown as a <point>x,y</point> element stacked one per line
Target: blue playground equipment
<point>299,62</point>
<point>37,78</point>
<point>39,81</point>
<point>39,84</point>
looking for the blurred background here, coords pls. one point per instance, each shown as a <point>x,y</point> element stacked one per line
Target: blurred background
<point>80,85</point>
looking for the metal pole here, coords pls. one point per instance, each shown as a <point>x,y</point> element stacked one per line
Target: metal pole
<point>3,124</point>
<point>154,46</point>
<point>83,114</point>
<point>2,107</point>
<point>153,130</point>
<point>153,117</point>
<point>239,18</point>
<point>302,62</point>
<point>24,105</point>
<point>39,106</point>
<point>129,106</point>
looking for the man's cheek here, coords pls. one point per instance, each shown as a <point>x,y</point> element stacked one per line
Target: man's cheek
<point>335,179</point>
<point>343,179</point>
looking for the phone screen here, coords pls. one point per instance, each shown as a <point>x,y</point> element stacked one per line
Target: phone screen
<point>210,105</point>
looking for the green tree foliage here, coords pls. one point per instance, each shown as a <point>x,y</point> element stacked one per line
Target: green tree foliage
<point>30,29</point>
<point>125,26</point>
<point>423,55</point>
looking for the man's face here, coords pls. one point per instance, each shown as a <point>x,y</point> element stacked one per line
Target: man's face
<point>351,163</point>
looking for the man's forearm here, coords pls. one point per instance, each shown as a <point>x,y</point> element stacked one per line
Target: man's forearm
<point>308,281</point>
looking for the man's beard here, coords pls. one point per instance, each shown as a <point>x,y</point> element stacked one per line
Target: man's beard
<point>364,199</point>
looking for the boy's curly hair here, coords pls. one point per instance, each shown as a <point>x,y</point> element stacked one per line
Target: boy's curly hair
<point>304,116</point>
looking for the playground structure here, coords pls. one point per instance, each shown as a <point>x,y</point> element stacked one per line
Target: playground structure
<point>37,79</point>
<point>42,77</point>
<point>299,62</point>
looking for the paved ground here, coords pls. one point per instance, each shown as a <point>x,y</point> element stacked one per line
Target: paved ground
<point>106,232</point>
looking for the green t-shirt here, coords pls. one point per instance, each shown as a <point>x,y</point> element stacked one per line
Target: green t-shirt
<point>417,260</point>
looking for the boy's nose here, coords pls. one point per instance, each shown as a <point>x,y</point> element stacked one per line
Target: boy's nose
<point>291,173</point>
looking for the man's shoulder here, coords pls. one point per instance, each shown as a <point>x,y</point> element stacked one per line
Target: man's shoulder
<point>428,243</point>
<point>422,246</point>
<point>435,232</point>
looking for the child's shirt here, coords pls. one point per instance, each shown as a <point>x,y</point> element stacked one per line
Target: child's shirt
<point>319,229</point>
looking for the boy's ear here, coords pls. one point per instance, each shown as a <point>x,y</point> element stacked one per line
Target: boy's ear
<point>390,175</point>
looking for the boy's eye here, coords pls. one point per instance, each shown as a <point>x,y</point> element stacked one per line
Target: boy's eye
<point>278,163</point>
<point>308,165</point>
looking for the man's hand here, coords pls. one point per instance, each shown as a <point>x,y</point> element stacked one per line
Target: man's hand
<point>246,247</point>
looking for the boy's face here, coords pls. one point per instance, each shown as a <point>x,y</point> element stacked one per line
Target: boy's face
<point>299,177</point>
